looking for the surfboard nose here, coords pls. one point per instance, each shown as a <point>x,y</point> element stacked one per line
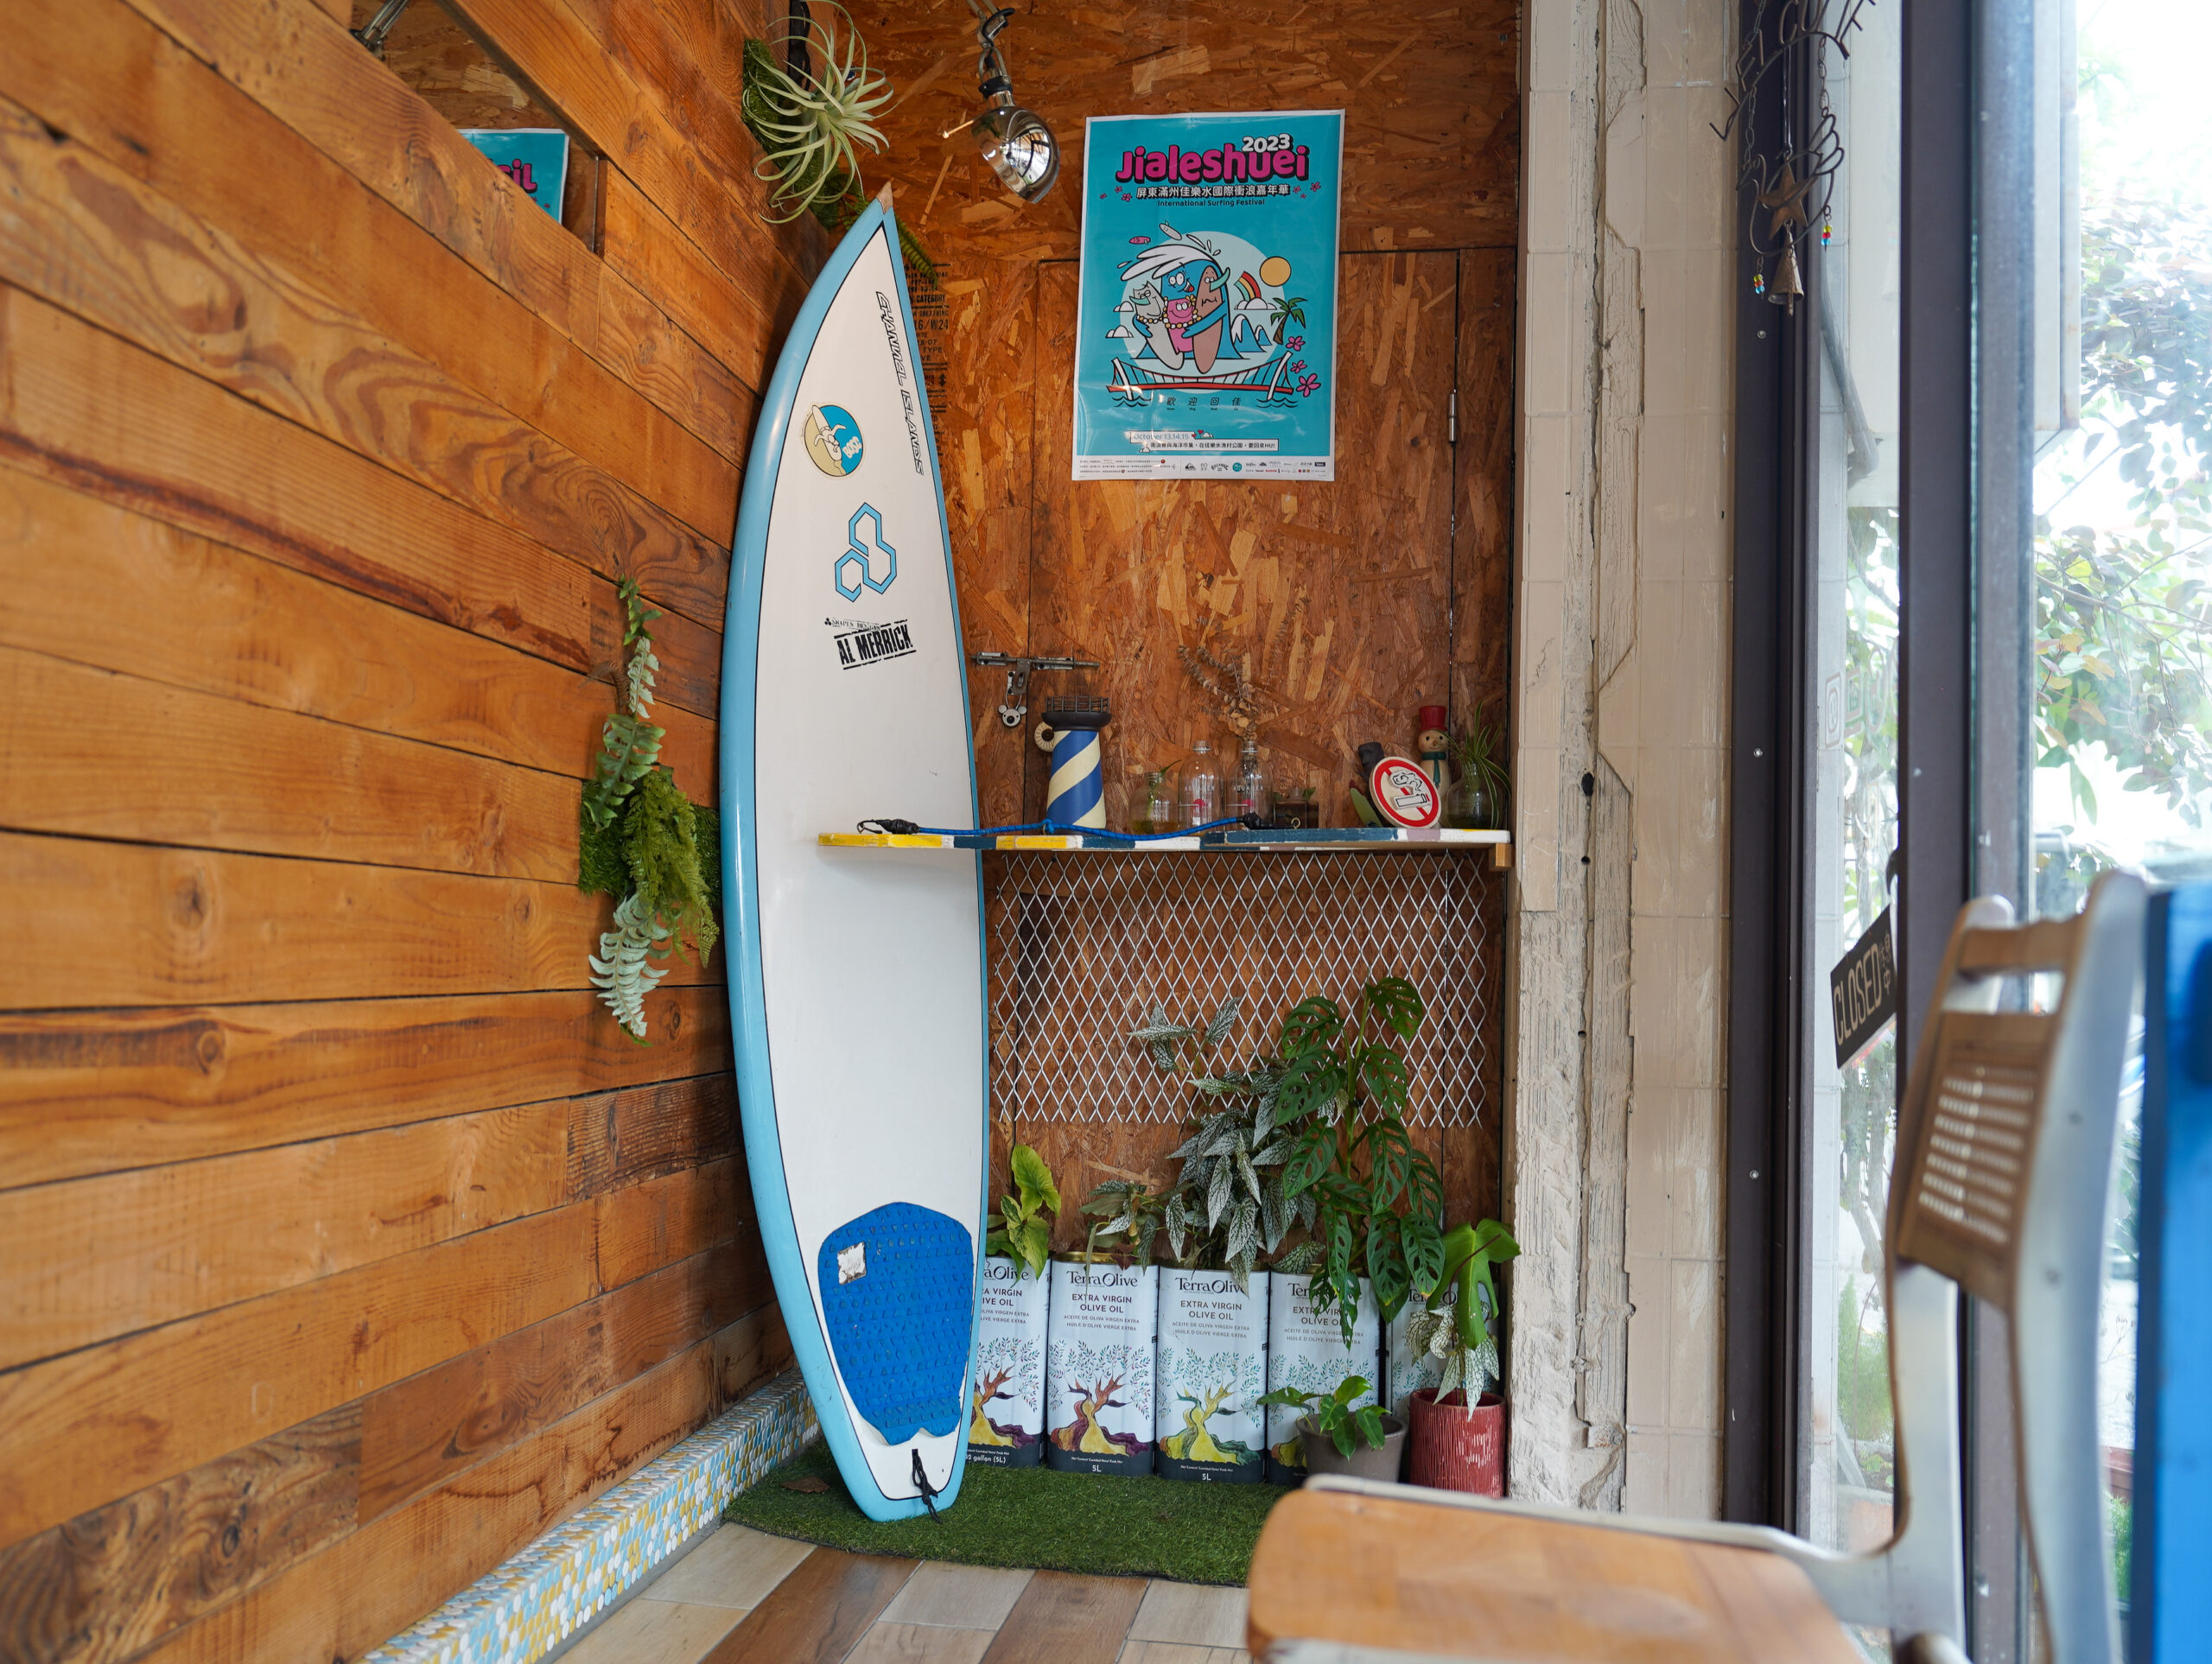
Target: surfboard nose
<point>899,1296</point>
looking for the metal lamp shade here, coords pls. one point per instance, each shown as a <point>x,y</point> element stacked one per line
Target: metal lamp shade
<point>1019,147</point>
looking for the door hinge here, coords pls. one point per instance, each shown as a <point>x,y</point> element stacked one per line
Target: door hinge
<point>1452,420</point>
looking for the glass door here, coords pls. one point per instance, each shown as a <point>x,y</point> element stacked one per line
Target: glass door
<point>1851,782</point>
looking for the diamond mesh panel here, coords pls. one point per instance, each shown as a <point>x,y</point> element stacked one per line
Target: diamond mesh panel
<point>1081,946</point>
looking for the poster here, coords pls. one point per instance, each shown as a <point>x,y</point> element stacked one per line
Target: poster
<point>536,158</point>
<point>1206,312</point>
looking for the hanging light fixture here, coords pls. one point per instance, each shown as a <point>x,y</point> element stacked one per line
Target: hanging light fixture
<point>1019,147</point>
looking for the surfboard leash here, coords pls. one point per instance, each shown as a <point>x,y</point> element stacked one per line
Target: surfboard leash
<point>894,826</point>
<point>929,1491</point>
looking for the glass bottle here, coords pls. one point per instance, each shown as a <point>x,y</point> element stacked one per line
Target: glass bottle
<point>1248,796</point>
<point>1159,802</point>
<point>1201,793</point>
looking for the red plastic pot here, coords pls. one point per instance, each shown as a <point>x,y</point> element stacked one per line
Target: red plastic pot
<point>1451,1449</point>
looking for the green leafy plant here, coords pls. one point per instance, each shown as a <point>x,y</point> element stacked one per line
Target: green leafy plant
<point>1332,1412</point>
<point>813,111</point>
<point>643,843</point>
<point>1482,759</point>
<point>1460,1323</point>
<point>622,969</point>
<point>1024,1234</point>
<point>629,744</point>
<point>1286,310</point>
<point>1343,1086</point>
<point>1228,1204</point>
<point>1127,1209</point>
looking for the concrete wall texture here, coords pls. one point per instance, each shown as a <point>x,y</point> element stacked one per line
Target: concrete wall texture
<point>1614,1146</point>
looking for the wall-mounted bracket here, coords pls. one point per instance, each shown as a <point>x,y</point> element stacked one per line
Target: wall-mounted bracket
<point>1018,666</point>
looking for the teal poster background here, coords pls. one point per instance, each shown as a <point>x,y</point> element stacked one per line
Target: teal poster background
<point>536,158</point>
<point>1206,312</point>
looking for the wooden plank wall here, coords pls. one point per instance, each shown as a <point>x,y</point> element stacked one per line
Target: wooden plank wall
<point>1366,598</point>
<point>345,1245</point>
<point>348,1246</point>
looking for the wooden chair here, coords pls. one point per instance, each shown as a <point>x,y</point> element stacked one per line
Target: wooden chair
<point>2004,1160</point>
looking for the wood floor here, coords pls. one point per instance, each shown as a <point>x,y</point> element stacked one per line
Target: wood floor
<point>744,1597</point>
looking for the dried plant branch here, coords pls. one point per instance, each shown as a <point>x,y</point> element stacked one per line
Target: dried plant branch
<point>1248,702</point>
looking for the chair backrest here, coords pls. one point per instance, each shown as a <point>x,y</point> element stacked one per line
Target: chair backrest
<point>2001,1184</point>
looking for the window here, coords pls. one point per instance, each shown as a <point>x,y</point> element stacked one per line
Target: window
<point>2122,735</point>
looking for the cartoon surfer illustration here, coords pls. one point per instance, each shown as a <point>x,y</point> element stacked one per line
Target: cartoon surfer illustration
<point>1192,291</point>
<point>1194,317</point>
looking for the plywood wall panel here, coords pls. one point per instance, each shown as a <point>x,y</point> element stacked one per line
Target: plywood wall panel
<point>1482,550</point>
<point>1432,103</point>
<point>984,448</point>
<point>1337,596</point>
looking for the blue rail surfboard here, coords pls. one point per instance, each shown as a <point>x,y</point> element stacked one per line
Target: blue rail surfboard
<point>857,977</point>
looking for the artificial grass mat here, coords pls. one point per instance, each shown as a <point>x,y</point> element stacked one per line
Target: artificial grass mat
<point>1109,1525</point>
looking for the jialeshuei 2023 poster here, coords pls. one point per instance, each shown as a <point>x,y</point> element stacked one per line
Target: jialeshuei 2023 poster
<point>1206,315</point>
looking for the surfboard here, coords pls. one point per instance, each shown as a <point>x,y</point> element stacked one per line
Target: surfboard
<point>857,977</point>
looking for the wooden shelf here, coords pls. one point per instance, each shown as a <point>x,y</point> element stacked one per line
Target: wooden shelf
<point>1335,840</point>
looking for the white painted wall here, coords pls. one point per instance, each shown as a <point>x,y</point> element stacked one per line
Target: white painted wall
<point>1616,1101</point>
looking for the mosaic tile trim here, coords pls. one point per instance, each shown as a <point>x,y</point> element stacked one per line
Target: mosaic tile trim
<point>523,1608</point>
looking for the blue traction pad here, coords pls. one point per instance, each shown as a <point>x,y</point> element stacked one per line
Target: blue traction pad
<point>899,1329</point>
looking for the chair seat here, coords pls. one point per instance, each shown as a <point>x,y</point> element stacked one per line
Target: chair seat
<point>1466,1583</point>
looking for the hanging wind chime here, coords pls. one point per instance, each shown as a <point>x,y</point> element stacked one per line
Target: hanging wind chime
<point>1786,170</point>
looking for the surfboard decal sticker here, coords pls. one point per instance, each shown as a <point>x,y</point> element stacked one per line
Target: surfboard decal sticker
<point>795,1026</point>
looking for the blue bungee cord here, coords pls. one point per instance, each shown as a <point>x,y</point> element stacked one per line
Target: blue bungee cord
<point>893,826</point>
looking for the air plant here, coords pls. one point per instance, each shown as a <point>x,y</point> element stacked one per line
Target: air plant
<point>812,113</point>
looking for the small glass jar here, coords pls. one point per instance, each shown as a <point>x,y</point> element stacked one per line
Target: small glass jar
<point>1159,813</point>
<point>1249,793</point>
<point>1296,808</point>
<point>1468,803</point>
<point>1200,796</point>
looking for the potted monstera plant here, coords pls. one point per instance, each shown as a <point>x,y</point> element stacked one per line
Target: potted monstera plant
<point>1370,1203</point>
<point>1458,1426</point>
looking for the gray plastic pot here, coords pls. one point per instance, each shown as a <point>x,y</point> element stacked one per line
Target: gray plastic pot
<point>1365,1461</point>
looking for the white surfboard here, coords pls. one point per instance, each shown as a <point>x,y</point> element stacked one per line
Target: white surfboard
<point>857,977</point>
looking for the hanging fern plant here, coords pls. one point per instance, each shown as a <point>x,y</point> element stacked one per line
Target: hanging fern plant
<point>657,854</point>
<point>812,113</point>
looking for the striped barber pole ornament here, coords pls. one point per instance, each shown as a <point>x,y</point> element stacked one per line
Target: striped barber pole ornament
<point>1077,795</point>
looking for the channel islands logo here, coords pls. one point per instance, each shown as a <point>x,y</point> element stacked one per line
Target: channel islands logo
<point>866,555</point>
<point>833,440</point>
